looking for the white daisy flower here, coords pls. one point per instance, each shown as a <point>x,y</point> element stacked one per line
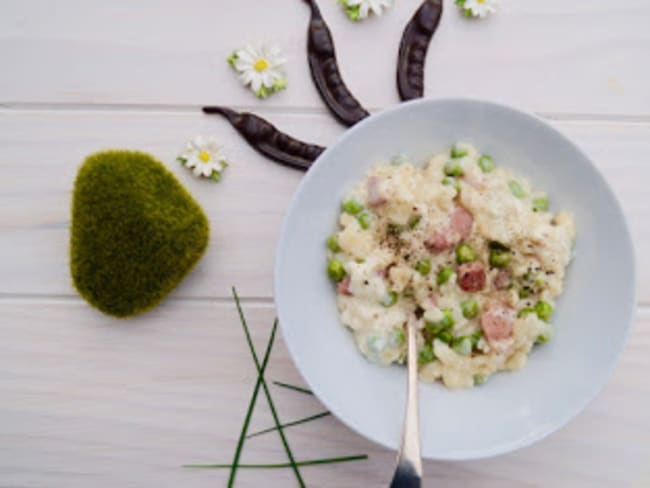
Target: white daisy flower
<point>204,157</point>
<point>478,8</point>
<point>261,68</point>
<point>360,9</point>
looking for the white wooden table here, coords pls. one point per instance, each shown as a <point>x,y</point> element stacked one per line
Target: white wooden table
<point>86,400</point>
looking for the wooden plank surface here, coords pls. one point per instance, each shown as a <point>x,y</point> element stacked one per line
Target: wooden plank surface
<point>87,401</point>
<point>245,209</point>
<point>551,56</point>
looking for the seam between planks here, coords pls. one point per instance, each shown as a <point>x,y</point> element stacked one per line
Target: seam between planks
<point>642,308</point>
<point>283,110</point>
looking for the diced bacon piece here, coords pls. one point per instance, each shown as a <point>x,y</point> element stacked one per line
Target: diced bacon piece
<point>440,241</point>
<point>471,276</point>
<point>376,196</point>
<point>497,322</point>
<point>344,286</point>
<point>461,222</point>
<point>502,279</point>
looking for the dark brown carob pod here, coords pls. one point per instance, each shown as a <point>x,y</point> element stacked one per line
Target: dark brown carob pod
<point>413,49</point>
<point>265,138</point>
<point>325,71</point>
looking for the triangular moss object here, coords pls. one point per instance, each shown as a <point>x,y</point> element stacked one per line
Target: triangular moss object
<point>136,232</point>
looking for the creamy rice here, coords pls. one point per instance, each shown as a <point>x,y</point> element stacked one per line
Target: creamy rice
<point>464,248</point>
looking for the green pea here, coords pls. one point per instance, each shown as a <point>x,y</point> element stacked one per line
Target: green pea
<point>352,207</point>
<point>451,181</point>
<point>443,325</point>
<point>516,189</point>
<point>465,254</point>
<point>462,346</point>
<point>400,337</point>
<point>475,337</point>
<point>479,379</point>
<point>364,220</point>
<point>544,310</point>
<point>543,338</point>
<point>333,244</point>
<point>469,308</point>
<point>445,337</point>
<point>457,152</point>
<point>414,221</point>
<point>486,163</point>
<point>423,267</point>
<point>525,311</point>
<point>453,168</point>
<point>399,160</point>
<point>443,276</point>
<point>524,292</point>
<point>335,270</point>
<point>540,204</point>
<point>390,299</point>
<point>499,258</point>
<point>426,354</point>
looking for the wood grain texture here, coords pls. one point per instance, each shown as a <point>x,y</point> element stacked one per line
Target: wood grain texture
<point>552,56</point>
<point>91,401</point>
<point>86,400</point>
<point>40,152</point>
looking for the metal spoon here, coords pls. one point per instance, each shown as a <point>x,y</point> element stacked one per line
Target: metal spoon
<point>409,462</point>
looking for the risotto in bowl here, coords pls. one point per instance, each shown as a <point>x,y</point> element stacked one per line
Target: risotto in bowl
<point>461,246</point>
<point>497,235</point>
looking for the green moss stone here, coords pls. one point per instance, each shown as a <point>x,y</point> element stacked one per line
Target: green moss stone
<point>136,232</point>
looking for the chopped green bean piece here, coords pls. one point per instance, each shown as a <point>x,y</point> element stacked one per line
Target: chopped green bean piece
<point>465,254</point>
<point>453,168</point>
<point>390,299</point>
<point>335,270</point>
<point>469,308</point>
<point>414,221</point>
<point>352,207</point>
<point>423,267</point>
<point>516,189</point>
<point>445,337</point>
<point>364,220</point>
<point>479,379</point>
<point>499,258</point>
<point>540,204</point>
<point>333,243</point>
<point>426,354</point>
<point>486,163</point>
<point>451,181</point>
<point>462,345</point>
<point>525,311</point>
<point>544,310</point>
<point>443,276</point>
<point>457,152</point>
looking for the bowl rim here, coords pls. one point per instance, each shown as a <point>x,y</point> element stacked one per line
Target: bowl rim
<point>502,448</point>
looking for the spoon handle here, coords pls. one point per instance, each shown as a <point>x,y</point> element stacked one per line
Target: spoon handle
<point>409,462</point>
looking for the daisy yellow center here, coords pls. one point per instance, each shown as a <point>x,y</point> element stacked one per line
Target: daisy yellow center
<point>261,64</point>
<point>204,156</point>
<point>480,1</point>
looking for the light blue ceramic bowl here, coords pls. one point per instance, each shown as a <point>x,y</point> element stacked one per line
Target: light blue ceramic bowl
<point>512,410</point>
